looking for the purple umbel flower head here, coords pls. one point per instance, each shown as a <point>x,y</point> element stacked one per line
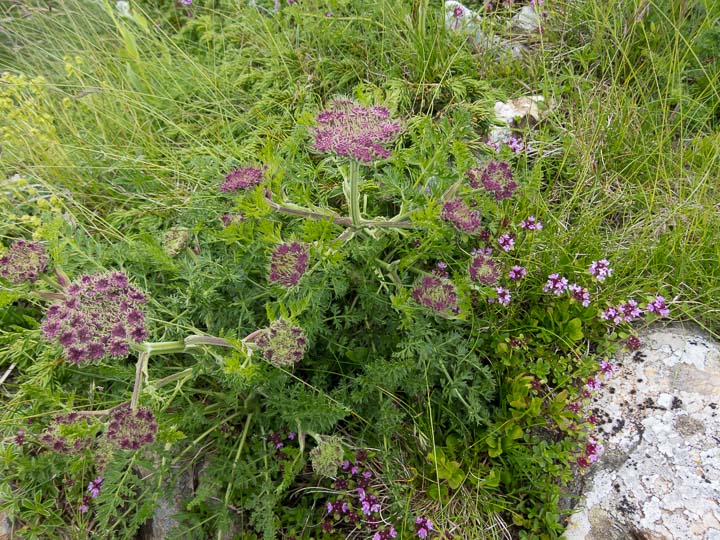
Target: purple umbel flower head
<point>465,219</point>
<point>288,263</point>
<point>230,219</point>
<point>482,268</point>
<point>24,261</point>
<point>531,224</point>
<point>600,269</point>
<point>495,176</point>
<point>130,429</point>
<point>556,284</point>
<point>658,307</point>
<point>53,438</point>
<point>517,273</point>
<point>282,344</point>
<point>350,130</point>
<point>99,318</point>
<point>243,178</point>
<point>436,293</point>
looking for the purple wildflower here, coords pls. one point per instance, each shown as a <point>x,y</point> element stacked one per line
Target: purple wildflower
<point>288,263</point>
<point>556,284</point>
<point>243,178</point>
<point>593,383</point>
<point>658,307</point>
<point>517,273</point>
<point>482,268</point>
<point>465,219</point>
<point>95,486</point>
<point>495,176</point>
<point>436,293</point>
<point>579,294</point>
<point>593,450</point>
<point>282,344</point>
<point>503,296</point>
<point>531,224</point>
<point>458,12</point>
<point>130,429</point>
<point>600,269</point>
<point>24,261</point>
<point>629,310</point>
<point>53,439</point>
<point>83,508</point>
<point>515,144</point>
<point>506,241</point>
<point>385,534</point>
<point>350,130</point>
<point>612,314</point>
<point>20,437</point>
<point>99,317</point>
<point>423,526</point>
<point>632,343</point>
<point>495,145</point>
<point>607,368</point>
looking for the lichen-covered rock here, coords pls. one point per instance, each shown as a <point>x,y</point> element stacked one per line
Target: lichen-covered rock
<point>660,476</point>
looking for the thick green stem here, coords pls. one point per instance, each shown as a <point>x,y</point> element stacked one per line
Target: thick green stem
<point>354,202</point>
<point>139,369</point>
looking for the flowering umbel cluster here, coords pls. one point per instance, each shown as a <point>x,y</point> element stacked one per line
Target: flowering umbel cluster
<point>482,268</point>
<point>24,261</point>
<point>282,344</point>
<point>494,176</point>
<point>288,263</point>
<point>53,438</point>
<point>130,429</point>
<point>460,214</point>
<point>436,293</point>
<point>243,178</point>
<point>350,130</point>
<point>100,317</point>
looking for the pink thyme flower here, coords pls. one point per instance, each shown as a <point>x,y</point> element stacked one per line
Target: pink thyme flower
<point>458,12</point>
<point>515,144</point>
<point>350,130</point>
<point>503,296</point>
<point>593,383</point>
<point>24,261</point>
<point>600,269</point>
<point>495,145</point>
<point>607,368</point>
<point>531,224</point>
<point>658,307</point>
<point>579,294</point>
<point>482,269</point>
<point>464,218</point>
<point>436,293</point>
<point>99,318</point>
<point>495,176</point>
<point>95,486</point>
<point>612,314</point>
<point>506,241</point>
<point>282,344</point>
<point>288,263</point>
<point>243,178</point>
<point>517,273</point>
<point>130,429</point>
<point>632,343</point>
<point>423,526</point>
<point>556,284</point>
<point>629,310</point>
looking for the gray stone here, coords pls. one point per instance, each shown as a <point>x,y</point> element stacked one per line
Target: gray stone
<point>660,475</point>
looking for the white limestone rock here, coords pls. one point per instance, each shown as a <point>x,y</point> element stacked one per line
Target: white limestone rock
<point>660,475</point>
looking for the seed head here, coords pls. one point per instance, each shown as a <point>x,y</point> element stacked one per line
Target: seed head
<point>351,130</point>
<point>288,263</point>
<point>99,318</point>
<point>24,261</point>
<point>282,344</point>
<point>327,457</point>
<point>130,429</point>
